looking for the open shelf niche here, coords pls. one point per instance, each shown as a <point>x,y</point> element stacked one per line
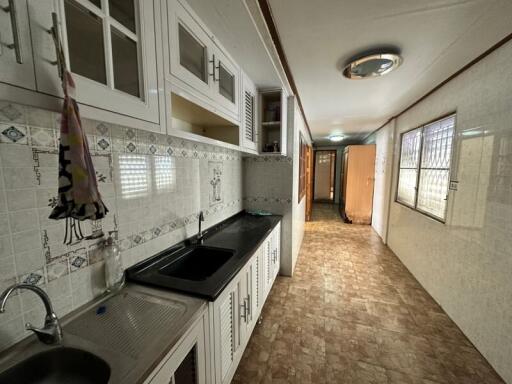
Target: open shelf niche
<point>271,121</point>
<point>192,118</point>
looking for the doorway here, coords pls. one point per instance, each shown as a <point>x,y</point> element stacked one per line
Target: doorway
<point>324,173</point>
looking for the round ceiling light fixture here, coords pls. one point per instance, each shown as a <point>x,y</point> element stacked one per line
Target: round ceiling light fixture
<point>336,138</point>
<point>373,65</point>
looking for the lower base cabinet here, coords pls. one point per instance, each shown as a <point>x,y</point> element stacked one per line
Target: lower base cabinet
<point>234,314</point>
<point>188,363</point>
<point>210,351</point>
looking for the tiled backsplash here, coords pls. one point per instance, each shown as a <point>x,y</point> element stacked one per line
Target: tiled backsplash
<point>154,186</point>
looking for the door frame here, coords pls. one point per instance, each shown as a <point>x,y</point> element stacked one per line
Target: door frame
<point>333,175</point>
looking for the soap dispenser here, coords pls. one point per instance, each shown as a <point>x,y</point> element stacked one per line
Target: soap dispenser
<point>114,272</point>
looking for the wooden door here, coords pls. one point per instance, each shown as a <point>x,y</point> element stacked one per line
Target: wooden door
<point>360,176</point>
<point>309,182</point>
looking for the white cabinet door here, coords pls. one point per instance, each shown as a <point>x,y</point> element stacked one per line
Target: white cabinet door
<point>276,258</point>
<point>192,59</point>
<point>227,323</point>
<point>267,266</point>
<point>109,47</point>
<point>187,363</point>
<point>226,85</point>
<point>250,297</point>
<point>16,60</point>
<point>249,108</point>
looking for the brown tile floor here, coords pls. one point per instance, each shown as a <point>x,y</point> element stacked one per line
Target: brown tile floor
<point>352,313</point>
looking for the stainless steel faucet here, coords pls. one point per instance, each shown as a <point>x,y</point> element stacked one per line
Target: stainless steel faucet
<point>51,333</point>
<point>200,233</point>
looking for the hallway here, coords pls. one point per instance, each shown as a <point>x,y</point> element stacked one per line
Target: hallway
<point>353,314</point>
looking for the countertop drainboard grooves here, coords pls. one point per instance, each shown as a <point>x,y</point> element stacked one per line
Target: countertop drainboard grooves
<point>128,323</point>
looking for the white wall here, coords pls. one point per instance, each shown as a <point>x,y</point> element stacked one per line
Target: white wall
<point>383,174</point>
<point>298,207</point>
<point>466,264</point>
<point>173,183</point>
<point>271,183</point>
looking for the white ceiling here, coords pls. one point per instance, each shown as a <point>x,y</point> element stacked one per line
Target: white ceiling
<point>231,23</point>
<point>436,38</point>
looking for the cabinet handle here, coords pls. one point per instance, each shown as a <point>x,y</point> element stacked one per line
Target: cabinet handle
<point>249,305</point>
<point>243,314</point>
<point>54,31</point>
<point>11,9</point>
<point>212,62</point>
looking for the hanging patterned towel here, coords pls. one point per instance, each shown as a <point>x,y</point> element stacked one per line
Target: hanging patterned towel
<point>78,195</point>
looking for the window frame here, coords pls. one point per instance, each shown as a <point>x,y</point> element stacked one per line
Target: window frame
<point>419,169</point>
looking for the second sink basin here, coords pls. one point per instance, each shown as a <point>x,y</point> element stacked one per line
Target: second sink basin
<point>58,366</point>
<point>197,262</point>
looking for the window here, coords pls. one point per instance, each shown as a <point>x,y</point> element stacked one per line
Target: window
<point>424,169</point>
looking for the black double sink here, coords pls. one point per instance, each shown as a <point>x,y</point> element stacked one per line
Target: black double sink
<point>196,263</point>
<point>204,270</point>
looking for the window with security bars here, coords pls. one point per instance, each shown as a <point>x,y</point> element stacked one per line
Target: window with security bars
<point>424,170</point>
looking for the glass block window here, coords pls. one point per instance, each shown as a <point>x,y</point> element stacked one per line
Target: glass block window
<point>165,173</point>
<point>134,176</point>
<point>424,172</point>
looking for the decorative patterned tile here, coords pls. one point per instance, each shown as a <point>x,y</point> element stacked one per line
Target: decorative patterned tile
<point>11,112</point>
<point>130,134</point>
<point>102,129</point>
<point>40,137</point>
<point>13,134</point>
<point>131,147</point>
<point>33,278</point>
<point>57,269</point>
<point>103,143</point>
<point>78,262</point>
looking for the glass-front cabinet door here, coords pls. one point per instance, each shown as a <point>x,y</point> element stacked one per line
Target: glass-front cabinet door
<point>191,58</point>
<point>109,46</point>
<point>227,83</point>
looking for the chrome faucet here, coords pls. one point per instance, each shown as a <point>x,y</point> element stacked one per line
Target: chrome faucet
<point>51,333</point>
<point>200,233</point>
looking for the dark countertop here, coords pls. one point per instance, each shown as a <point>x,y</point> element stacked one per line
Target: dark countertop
<point>242,233</point>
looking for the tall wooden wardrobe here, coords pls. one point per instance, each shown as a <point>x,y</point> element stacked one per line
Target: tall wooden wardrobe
<point>357,183</point>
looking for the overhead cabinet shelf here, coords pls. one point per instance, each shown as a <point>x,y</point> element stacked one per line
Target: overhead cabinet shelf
<point>274,112</point>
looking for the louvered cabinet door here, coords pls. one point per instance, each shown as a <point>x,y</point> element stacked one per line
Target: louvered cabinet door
<point>248,117</point>
<point>250,298</point>
<point>227,332</point>
<point>267,266</point>
<point>276,249</point>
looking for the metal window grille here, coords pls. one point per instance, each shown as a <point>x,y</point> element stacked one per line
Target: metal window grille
<point>424,174</point>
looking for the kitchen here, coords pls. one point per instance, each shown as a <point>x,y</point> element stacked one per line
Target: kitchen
<point>199,123</point>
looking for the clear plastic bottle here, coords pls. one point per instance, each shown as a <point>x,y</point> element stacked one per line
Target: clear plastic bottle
<point>114,272</point>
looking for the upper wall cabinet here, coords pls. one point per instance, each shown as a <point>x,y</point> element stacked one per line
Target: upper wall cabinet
<point>15,46</point>
<point>109,46</point>
<point>197,64</point>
